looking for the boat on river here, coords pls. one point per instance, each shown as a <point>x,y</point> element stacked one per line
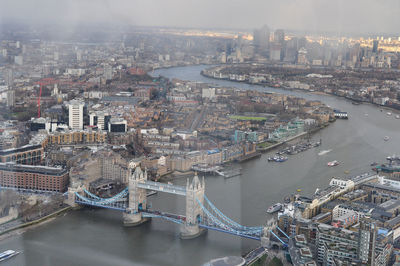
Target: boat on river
<point>386,138</point>
<point>8,254</point>
<point>324,152</point>
<point>274,208</point>
<point>278,159</point>
<point>333,163</point>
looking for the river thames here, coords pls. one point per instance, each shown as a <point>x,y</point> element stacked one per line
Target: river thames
<point>97,237</point>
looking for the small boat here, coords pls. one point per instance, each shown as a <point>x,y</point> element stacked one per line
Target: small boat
<point>324,152</point>
<point>333,163</point>
<point>374,164</point>
<point>397,116</point>
<point>346,172</point>
<point>386,138</point>
<point>389,113</point>
<point>8,254</point>
<point>281,159</point>
<point>298,190</point>
<point>274,208</point>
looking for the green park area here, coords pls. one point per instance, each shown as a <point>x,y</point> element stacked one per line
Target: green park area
<point>250,118</point>
<point>264,145</point>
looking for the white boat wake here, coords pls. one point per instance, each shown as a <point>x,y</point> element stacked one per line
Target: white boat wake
<point>324,152</point>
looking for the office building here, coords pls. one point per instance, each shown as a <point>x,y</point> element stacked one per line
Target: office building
<point>375,46</point>
<point>75,112</point>
<point>261,39</point>
<point>108,72</point>
<point>99,119</point>
<point>279,37</point>
<point>117,125</point>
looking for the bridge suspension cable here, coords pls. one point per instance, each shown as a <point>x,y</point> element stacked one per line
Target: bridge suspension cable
<point>228,220</point>
<point>216,223</point>
<point>120,195</point>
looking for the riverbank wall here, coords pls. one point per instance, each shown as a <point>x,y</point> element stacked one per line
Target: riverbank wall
<point>37,221</point>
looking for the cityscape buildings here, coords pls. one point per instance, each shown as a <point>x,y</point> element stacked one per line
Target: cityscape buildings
<point>107,117</point>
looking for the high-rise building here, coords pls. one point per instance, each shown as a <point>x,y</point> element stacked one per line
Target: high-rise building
<point>75,111</point>
<point>261,39</point>
<point>107,72</point>
<point>366,241</point>
<point>279,39</point>
<point>279,36</point>
<point>375,46</point>
<point>10,98</point>
<point>9,78</point>
<point>99,119</point>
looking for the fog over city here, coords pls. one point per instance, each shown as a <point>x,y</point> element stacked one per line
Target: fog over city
<point>340,16</point>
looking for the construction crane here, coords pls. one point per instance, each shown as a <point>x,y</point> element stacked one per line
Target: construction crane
<point>41,83</point>
<point>52,81</point>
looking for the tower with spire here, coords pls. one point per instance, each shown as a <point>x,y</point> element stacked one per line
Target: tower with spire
<point>194,212</point>
<point>137,198</point>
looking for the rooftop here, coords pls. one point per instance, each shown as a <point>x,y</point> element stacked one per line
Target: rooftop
<point>45,170</point>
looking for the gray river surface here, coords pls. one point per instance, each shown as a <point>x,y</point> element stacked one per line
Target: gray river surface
<point>97,237</point>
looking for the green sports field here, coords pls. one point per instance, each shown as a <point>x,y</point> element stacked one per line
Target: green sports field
<point>253,118</point>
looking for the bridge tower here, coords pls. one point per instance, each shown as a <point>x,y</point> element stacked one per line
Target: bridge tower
<point>266,236</point>
<point>137,198</point>
<point>70,200</point>
<point>194,212</point>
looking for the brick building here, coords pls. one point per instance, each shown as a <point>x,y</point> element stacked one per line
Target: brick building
<point>33,177</point>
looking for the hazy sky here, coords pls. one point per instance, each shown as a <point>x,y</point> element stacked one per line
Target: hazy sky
<point>313,15</point>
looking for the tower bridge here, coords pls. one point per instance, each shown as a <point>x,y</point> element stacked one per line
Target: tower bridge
<point>200,214</point>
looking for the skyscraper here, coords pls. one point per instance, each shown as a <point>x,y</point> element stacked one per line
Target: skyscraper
<point>375,46</point>
<point>75,112</point>
<point>279,36</point>
<point>107,72</point>
<point>261,39</point>
<point>279,39</point>
<point>9,77</point>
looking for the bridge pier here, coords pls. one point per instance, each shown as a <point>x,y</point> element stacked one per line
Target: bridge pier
<point>194,213</point>
<point>133,219</point>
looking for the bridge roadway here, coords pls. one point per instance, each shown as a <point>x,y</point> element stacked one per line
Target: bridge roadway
<point>168,188</point>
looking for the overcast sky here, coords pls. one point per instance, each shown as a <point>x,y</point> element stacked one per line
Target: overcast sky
<point>341,16</point>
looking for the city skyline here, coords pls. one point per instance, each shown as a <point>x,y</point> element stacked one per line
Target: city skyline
<point>340,17</point>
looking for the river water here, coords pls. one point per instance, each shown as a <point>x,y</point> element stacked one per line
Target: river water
<point>97,237</point>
